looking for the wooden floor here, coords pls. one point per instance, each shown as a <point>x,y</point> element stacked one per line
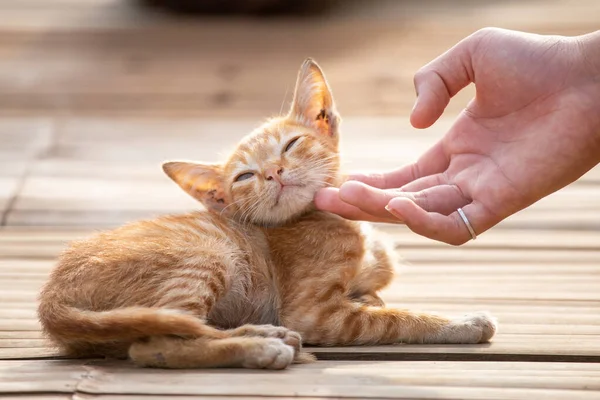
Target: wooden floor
<point>94,94</point>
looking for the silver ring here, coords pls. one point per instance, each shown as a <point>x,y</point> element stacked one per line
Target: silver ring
<point>467,223</point>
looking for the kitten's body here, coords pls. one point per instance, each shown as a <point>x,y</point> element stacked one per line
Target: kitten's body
<point>258,284</point>
<point>230,285</point>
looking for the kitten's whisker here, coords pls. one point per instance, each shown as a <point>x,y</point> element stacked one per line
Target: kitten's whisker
<point>232,203</point>
<point>251,208</point>
<point>245,201</point>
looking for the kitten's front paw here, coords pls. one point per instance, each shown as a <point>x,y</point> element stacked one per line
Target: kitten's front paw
<point>268,353</point>
<point>478,327</point>
<point>289,337</point>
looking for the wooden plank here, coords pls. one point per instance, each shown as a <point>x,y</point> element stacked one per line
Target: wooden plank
<point>315,368</point>
<point>501,351</point>
<point>17,313</point>
<point>502,238</point>
<point>404,392</point>
<point>20,335</point>
<point>19,325</point>
<point>508,305</point>
<point>37,396</point>
<point>8,189</point>
<point>40,376</point>
<point>362,380</point>
<point>27,353</point>
<point>22,138</point>
<point>465,254</point>
<point>534,218</point>
<point>22,343</point>
<point>13,234</point>
<point>86,396</point>
<point>328,379</point>
<point>481,271</point>
<point>96,195</point>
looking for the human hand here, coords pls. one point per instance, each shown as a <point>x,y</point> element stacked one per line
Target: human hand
<point>533,128</point>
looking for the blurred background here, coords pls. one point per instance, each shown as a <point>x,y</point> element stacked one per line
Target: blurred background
<point>94,94</point>
<point>239,57</point>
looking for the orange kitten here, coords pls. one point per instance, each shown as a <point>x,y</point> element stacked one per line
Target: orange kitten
<point>237,284</point>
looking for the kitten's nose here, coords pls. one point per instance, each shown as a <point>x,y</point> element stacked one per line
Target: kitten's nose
<point>273,173</point>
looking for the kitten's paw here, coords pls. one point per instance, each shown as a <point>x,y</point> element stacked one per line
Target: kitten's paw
<point>150,352</point>
<point>478,327</point>
<point>289,337</point>
<point>268,353</point>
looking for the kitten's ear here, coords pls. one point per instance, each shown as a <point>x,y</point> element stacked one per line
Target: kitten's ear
<point>313,103</point>
<point>204,182</point>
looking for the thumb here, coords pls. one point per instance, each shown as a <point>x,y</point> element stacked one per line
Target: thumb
<point>437,82</point>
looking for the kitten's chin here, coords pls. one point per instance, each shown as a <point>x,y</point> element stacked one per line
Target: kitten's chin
<point>283,214</point>
<point>287,207</point>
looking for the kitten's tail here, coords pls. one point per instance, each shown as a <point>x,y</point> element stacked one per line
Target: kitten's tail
<point>69,323</point>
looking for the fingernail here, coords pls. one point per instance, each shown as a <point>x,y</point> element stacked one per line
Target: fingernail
<point>393,212</point>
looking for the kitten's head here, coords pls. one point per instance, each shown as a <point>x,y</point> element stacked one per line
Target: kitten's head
<point>275,171</point>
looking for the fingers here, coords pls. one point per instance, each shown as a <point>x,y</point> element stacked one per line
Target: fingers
<point>366,198</point>
<point>379,180</point>
<point>450,229</point>
<point>433,161</point>
<point>358,201</point>
<point>439,81</point>
<point>328,199</point>
<point>442,199</point>
<point>430,213</point>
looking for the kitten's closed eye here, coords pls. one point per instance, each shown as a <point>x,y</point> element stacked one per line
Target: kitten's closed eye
<point>290,144</point>
<point>244,176</point>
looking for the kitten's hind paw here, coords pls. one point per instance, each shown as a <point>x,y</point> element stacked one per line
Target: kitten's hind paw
<point>289,337</point>
<point>472,328</point>
<point>268,353</point>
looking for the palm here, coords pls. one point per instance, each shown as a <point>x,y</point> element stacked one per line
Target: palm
<point>517,127</point>
<point>491,169</point>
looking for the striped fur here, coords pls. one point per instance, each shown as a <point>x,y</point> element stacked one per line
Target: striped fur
<point>239,283</point>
